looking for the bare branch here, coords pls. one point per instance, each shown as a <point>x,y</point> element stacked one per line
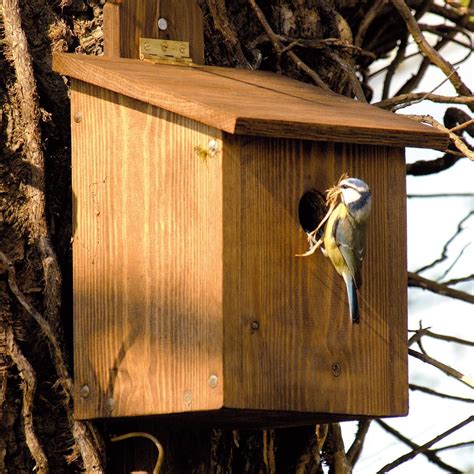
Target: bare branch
<point>455,281</point>
<point>443,337</point>
<point>356,448</point>
<point>441,195</point>
<point>453,446</point>
<point>443,367</point>
<point>28,377</point>
<point>81,434</point>
<point>457,141</point>
<point>417,281</point>
<point>444,252</point>
<point>415,97</point>
<point>221,21</point>
<point>279,48</point>
<point>427,50</point>
<point>430,391</point>
<point>425,446</point>
<point>429,454</point>
<point>312,455</point>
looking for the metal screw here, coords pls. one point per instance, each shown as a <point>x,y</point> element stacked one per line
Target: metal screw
<point>110,404</point>
<point>162,24</point>
<point>78,117</point>
<point>213,147</point>
<point>146,46</point>
<point>164,47</point>
<point>213,381</point>
<point>85,391</point>
<point>188,397</point>
<point>255,325</point>
<point>336,369</point>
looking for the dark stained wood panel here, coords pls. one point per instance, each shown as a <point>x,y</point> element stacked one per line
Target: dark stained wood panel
<point>250,103</point>
<point>300,304</point>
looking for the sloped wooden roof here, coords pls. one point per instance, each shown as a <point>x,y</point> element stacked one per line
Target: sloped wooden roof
<point>250,102</point>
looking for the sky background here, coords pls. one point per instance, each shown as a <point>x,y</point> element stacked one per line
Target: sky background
<point>431,222</point>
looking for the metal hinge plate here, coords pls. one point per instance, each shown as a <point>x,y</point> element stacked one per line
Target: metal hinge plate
<point>165,51</point>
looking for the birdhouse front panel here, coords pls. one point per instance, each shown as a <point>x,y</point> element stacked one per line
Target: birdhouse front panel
<point>289,341</point>
<point>189,294</point>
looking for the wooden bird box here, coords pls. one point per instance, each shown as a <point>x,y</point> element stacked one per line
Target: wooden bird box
<point>188,296</point>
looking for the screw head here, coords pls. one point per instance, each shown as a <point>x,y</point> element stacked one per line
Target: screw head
<point>212,147</point>
<point>78,117</point>
<point>110,404</point>
<point>85,391</point>
<point>255,325</point>
<point>336,369</point>
<point>162,24</point>
<point>212,381</point>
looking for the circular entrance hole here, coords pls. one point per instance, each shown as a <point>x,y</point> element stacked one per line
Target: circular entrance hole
<point>311,210</point>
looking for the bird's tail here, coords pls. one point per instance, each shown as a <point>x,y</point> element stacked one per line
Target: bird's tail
<point>352,297</point>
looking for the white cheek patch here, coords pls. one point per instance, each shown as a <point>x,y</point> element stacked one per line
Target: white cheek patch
<point>350,195</point>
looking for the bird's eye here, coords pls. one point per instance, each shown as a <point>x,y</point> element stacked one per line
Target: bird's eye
<point>344,186</point>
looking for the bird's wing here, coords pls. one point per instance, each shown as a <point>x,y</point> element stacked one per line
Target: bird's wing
<point>351,244</point>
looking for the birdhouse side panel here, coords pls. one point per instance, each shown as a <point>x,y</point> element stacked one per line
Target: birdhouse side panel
<point>289,341</point>
<point>147,258</point>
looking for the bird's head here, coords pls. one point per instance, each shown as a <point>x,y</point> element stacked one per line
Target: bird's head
<point>356,196</point>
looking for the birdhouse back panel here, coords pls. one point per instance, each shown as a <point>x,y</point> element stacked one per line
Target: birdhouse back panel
<point>188,295</point>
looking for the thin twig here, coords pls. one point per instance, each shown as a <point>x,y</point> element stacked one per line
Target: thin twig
<point>415,97</point>
<point>444,337</point>
<point>462,125</point>
<point>443,367</point>
<point>455,281</point>
<point>444,251</point>
<point>424,447</point>
<point>427,50</point>
<point>453,446</point>
<point>430,391</point>
<point>429,454</point>
<point>279,48</point>
<point>441,195</point>
<point>457,141</point>
<point>417,281</point>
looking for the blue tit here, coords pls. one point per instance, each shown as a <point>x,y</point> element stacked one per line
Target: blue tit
<point>345,236</point>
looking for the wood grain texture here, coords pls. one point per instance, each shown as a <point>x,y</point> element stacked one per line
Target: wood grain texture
<point>300,304</point>
<point>127,21</point>
<point>147,267</point>
<point>250,103</point>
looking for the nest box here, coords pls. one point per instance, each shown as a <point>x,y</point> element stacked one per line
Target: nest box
<point>188,296</point>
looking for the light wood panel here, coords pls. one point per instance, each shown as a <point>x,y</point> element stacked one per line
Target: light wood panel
<point>243,102</point>
<point>300,304</point>
<point>147,259</point>
<point>185,267</point>
<point>125,21</point>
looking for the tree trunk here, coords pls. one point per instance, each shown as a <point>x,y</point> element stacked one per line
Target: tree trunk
<point>330,43</point>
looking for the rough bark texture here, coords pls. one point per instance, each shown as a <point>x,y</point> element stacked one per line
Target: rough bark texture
<point>329,42</point>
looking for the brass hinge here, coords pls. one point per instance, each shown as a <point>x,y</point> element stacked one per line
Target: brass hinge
<point>165,51</point>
